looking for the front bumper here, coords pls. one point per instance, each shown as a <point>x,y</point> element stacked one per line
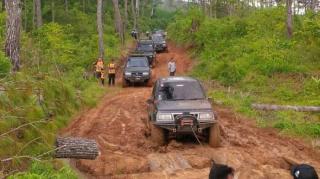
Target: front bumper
<point>160,47</point>
<point>137,79</point>
<point>198,128</point>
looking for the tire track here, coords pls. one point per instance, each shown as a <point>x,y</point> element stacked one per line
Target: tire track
<point>117,126</point>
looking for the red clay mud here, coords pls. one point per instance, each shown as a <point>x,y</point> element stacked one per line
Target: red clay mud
<point>118,125</point>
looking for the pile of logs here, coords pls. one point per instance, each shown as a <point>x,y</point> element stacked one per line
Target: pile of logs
<point>77,148</point>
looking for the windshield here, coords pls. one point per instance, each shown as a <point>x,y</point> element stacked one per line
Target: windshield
<point>137,62</point>
<point>145,47</point>
<point>157,38</point>
<point>190,90</point>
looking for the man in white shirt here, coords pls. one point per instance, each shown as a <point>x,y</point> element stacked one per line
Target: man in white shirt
<point>172,67</point>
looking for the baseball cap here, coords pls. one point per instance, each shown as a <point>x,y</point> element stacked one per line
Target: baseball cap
<point>304,171</point>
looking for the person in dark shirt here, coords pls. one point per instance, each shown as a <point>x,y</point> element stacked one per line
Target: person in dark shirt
<point>219,171</point>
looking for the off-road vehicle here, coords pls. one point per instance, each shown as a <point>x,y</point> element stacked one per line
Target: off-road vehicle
<point>136,70</point>
<point>146,47</point>
<point>178,105</point>
<point>161,32</point>
<point>159,43</point>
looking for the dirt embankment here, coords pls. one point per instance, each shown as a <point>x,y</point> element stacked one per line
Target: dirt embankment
<point>118,125</point>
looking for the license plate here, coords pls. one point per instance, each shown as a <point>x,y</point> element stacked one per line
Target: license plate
<point>138,78</point>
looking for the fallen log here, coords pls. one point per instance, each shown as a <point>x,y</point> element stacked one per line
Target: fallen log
<point>271,107</point>
<point>77,148</point>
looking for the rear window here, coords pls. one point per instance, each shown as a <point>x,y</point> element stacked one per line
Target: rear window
<point>190,90</point>
<point>145,47</point>
<point>137,62</point>
<point>157,38</point>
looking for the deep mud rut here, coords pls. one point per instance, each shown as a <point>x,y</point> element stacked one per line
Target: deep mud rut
<point>118,125</point>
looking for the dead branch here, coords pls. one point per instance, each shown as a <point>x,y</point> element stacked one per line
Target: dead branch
<point>21,126</point>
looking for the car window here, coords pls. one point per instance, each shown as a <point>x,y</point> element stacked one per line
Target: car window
<point>190,90</point>
<point>145,47</point>
<point>157,38</point>
<point>137,62</point>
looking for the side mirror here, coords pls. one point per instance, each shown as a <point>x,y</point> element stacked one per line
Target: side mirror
<point>149,101</point>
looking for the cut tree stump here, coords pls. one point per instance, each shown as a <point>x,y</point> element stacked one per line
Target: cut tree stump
<point>270,107</point>
<point>77,148</point>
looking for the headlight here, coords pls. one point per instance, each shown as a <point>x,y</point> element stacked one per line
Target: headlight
<point>206,116</point>
<point>164,117</point>
<point>127,73</point>
<point>145,73</point>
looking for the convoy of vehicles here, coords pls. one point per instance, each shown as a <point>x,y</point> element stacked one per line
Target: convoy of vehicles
<point>178,105</point>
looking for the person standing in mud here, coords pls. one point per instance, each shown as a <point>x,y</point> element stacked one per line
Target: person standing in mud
<point>112,73</point>
<point>99,65</point>
<point>219,171</point>
<point>172,67</point>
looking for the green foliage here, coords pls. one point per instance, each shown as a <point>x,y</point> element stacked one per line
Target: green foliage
<point>50,86</point>
<point>45,170</point>
<point>4,65</point>
<point>252,55</point>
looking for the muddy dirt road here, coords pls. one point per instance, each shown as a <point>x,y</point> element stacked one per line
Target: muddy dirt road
<point>118,125</point>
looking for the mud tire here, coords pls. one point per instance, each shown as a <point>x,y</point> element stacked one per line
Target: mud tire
<point>157,135</point>
<point>214,138</point>
<point>125,83</point>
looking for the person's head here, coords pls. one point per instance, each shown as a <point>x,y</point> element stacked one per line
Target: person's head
<point>219,171</point>
<point>304,171</point>
<point>100,59</point>
<point>112,60</point>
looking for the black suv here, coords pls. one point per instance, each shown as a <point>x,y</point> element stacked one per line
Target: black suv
<point>179,105</point>
<point>136,70</point>
<point>161,32</point>
<point>146,47</point>
<point>159,43</point>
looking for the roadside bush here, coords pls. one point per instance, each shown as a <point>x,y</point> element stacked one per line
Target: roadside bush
<point>252,55</point>
<point>45,170</point>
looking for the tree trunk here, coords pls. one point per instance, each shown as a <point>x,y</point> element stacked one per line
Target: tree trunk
<point>38,14</point>
<point>289,18</point>
<point>118,19</point>
<point>270,107</point>
<point>77,148</point>
<point>137,9</point>
<point>133,9</point>
<point>66,4</point>
<point>52,11</point>
<point>13,23</point>
<point>84,6</point>
<point>314,5</point>
<point>125,23</point>
<point>25,15</point>
<point>3,5</point>
<point>100,28</point>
